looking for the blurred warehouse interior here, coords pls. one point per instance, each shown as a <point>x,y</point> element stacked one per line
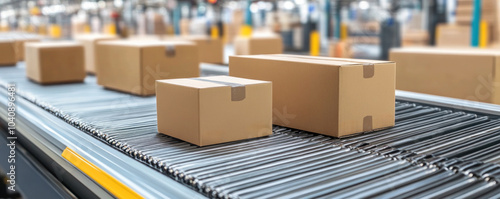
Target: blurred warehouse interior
<point>355,28</point>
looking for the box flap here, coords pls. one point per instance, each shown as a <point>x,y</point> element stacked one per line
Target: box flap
<point>57,44</point>
<point>331,58</point>
<point>448,51</point>
<point>301,60</point>
<point>237,84</point>
<point>90,37</point>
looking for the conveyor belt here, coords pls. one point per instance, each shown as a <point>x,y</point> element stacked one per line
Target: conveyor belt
<point>431,152</point>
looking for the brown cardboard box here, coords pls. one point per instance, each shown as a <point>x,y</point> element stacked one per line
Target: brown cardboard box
<point>89,42</point>
<point>415,38</point>
<point>20,41</point>
<point>470,74</point>
<point>133,66</point>
<point>256,45</point>
<point>54,62</point>
<point>210,50</point>
<point>341,49</point>
<point>8,52</point>
<point>159,25</point>
<point>184,26</point>
<point>212,110</point>
<point>330,96</point>
<point>449,35</point>
<point>230,32</point>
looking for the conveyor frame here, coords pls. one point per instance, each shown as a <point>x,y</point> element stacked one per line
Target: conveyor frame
<point>46,136</point>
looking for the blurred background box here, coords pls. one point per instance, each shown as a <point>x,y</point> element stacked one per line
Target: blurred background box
<point>134,66</point>
<point>21,40</point>
<point>448,35</point>
<point>258,44</point>
<point>340,49</point>
<point>211,50</point>
<point>415,38</point>
<point>469,74</point>
<point>89,42</point>
<point>55,62</point>
<point>8,55</point>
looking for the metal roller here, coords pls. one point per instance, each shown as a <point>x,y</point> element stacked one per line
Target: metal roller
<point>431,152</point>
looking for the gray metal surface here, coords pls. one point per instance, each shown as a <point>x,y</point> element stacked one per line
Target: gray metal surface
<point>431,152</point>
<point>36,125</point>
<point>450,103</point>
<point>39,141</point>
<point>32,179</point>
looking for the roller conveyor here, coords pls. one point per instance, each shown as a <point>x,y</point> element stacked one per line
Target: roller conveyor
<point>437,149</point>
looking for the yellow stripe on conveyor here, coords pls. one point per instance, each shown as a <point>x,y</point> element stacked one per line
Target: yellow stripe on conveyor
<point>111,184</point>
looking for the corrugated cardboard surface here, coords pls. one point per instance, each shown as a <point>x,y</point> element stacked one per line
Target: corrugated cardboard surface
<point>459,73</point>
<point>20,46</point>
<point>133,66</point>
<point>324,95</point>
<point>89,42</point>
<point>257,45</point>
<point>54,62</point>
<point>449,35</point>
<point>8,52</point>
<point>203,112</point>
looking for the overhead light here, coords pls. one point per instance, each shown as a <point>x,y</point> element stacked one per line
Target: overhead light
<point>254,8</point>
<point>101,4</point>
<point>118,3</point>
<point>299,2</point>
<point>289,5</point>
<point>363,5</point>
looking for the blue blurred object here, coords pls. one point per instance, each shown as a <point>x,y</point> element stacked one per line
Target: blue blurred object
<point>476,20</point>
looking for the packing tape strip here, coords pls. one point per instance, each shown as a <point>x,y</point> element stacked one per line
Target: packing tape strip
<point>107,181</point>
<point>368,123</point>
<point>368,70</point>
<point>238,91</point>
<point>170,51</point>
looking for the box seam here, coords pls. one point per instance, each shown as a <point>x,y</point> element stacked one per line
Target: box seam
<point>141,70</point>
<point>338,102</point>
<point>199,117</point>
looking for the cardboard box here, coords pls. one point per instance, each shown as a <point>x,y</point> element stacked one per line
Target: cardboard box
<point>330,96</point>
<point>159,27</point>
<point>449,35</point>
<point>256,45</point>
<point>184,26</point>
<point>20,42</point>
<point>212,110</point>
<point>89,42</point>
<point>341,49</point>
<point>230,32</point>
<point>415,38</point>
<point>55,62</point>
<point>8,52</point>
<point>210,50</point>
<point>470,74</point>
<point>133,66</point>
